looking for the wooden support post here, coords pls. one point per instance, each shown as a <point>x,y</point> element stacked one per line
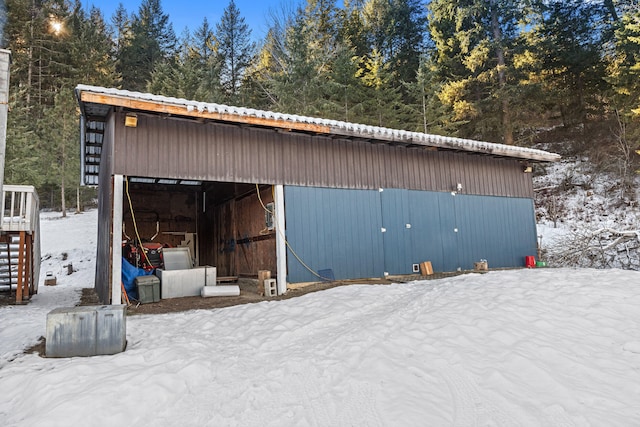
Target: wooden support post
<point>20,284</point>
<point>281,248</point>
<point>28,286</point>
<point>116,239</point>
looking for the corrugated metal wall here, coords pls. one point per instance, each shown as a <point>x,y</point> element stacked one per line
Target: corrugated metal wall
<point>176,148</point>
<point>364,233</point>
<point>333,229</point>
<point>105,195</point>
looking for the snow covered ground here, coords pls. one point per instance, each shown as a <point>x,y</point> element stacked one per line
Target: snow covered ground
<point>546,347</point>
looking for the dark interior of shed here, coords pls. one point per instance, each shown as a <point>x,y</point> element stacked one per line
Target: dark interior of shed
<point>224,224</point>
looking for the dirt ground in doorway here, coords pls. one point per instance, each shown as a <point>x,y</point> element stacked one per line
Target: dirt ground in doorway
<point>248,294</point>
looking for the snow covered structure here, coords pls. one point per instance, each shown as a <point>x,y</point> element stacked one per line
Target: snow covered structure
<point>358,201</point>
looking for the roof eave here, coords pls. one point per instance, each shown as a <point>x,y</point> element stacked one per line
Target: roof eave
<point>88,94</point>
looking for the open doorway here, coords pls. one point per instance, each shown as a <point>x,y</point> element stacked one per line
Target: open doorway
<point>226,225</point>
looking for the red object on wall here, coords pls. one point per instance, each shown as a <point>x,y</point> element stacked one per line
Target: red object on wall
<point>530,261</point>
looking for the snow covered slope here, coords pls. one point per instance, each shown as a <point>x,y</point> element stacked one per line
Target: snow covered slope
<point>587,218</point>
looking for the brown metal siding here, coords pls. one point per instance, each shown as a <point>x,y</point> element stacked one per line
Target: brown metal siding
<point>175,148</point>
<point>105,200</point>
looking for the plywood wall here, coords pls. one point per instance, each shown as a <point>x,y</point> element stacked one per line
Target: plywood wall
<point>241,243</point>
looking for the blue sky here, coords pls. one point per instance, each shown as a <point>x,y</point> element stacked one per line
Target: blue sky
<point>190,13</point>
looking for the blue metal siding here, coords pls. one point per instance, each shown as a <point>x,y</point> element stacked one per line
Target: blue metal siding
<point>341,230</point>
<point>333,229</point>
<point>395,217</point>
<point>429,229</point>
<point>499,229</point>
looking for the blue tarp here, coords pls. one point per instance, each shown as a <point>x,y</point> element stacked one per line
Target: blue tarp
<point>129,274</point>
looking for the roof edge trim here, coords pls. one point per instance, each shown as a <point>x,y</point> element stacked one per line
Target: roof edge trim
<point>219,112</point>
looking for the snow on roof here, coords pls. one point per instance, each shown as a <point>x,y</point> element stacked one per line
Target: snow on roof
<point>294,121</point>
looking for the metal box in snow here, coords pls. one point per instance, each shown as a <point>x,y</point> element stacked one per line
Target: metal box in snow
<point>111,331</point>
<point>148,289</point>
<point>86,331</point>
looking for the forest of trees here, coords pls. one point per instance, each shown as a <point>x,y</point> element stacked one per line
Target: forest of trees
<point>505,71</point>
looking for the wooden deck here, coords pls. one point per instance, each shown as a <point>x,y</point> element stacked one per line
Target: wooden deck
<point>20,230</point>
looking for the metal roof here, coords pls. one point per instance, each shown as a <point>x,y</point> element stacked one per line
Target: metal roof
<point>93,99</point>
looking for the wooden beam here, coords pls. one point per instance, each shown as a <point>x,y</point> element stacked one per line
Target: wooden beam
<point>181,110</point>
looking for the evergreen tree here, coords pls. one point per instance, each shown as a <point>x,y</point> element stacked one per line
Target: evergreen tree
<point>345,92</point>
<point>297,84</point>
<point>55,46</point>
<point>624,77</point>
<point>63,139</point>
<point>351,27</point>
<point>235,50</point>
<point>186,76</point>
<point>383,105</point>
<point>396,31</point>
<point>475,43</point>
<point>567,40</point>
<point>91,49</point>
<point>121,28</point>
<point>204,51</point>
<point>428,114</point>
<point>152,42</point>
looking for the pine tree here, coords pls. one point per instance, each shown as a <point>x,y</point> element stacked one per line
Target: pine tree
<point>383,105</point>
<point>568,39</point>
<point>62,123</point>
<point>235,50</point>
<point>396,30</point>
<point>152,41</point>
<point>91,49</point>
<point>475,44</point>
<point>184,77</point>
<point>204,52</point>
<point>55,46</point>
<point>121,28</point>
<point>345,92</point>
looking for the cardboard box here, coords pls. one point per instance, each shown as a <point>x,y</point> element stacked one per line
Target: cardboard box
<point>426,269</point>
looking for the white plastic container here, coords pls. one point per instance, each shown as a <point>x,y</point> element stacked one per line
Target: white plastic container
<point>220,291</point>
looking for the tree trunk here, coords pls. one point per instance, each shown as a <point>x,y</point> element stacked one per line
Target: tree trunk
<point>62,164</point>
<point>507,127</point>
<point>64,205</point>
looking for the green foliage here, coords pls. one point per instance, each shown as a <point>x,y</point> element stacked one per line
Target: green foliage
<point>48,61</point>
<point>475,44</point>
<point>149,41</point>
<point>234,51</point>
<point>568,38</point>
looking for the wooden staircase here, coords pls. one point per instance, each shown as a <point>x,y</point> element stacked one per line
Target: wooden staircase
<point>19,241</point>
